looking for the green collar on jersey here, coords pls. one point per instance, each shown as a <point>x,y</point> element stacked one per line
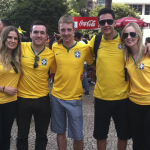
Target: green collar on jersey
<point>39,52</point>
<point>70,47</point>
<point>133,59</point>
<point>117,34</point>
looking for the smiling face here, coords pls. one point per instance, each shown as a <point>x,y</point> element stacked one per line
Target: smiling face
<point>131,41</point>
<point>66,31</point>
<point>107,30</point>
<point>38,35</point>
<point>12,40</point>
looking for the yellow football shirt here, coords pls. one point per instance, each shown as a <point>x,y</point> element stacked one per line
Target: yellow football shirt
<point>8,78</point>
<point>70,63</point>
<point>110,72</point>
<point>139,80</point>
<point>34,82</point>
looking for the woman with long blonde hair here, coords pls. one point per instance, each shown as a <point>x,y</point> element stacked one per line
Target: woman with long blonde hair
<point>138,66</point>
<point>10,71</point>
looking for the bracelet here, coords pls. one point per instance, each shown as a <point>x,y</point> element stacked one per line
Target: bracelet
<point>3,88</point>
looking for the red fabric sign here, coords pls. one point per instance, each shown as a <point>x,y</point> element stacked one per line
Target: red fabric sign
<point>124,21</point>
<point>85,23</point>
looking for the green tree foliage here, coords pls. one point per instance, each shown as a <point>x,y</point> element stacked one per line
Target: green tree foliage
<point>72,13</point>
<point>121,10</point>
<point>5,5</point>
<point>25,12</point>
<point>76,5</point>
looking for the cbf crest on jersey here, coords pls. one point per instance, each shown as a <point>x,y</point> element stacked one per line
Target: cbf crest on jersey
<point>141,66</point>
<point>43,61</point>
<point>77,53</point>
<point>120,47</point>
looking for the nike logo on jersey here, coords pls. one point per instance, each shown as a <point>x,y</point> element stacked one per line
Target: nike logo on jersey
<point>100,47</point>
<point>58,53</point>
<point>24,56</point>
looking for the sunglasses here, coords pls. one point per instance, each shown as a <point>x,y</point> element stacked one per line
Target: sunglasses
<point>14,67</point>
<point>35,63</point>
<point>132,34</point>
<point>109,22</point>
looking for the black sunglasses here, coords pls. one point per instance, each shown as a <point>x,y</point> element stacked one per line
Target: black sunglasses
<point>35,63</point>
<point>109,22</point>
<point>14,67</point>
<point>132,34</point>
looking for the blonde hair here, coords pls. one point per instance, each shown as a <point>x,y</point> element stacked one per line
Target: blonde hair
<point>126,49</point>
<point>16,53</point>
<point>66,19</point>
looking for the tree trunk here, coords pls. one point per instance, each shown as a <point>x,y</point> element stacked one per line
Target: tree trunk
<point>108,4</point>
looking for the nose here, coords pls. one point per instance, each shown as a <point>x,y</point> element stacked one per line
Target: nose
<point>129,36</point>
<point>39,34</point>
<point>66,32</point>
<point>13,40</point>
<point>106,24</point>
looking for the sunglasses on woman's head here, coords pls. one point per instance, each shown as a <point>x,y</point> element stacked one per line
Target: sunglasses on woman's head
<point>132,34</point>
<point>109,22</point>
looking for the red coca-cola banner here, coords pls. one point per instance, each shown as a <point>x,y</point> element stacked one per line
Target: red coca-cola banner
<point>85,23</point>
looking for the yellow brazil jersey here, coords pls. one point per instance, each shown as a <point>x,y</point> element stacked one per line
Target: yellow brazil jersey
<point>110,84</point>
<point>70,63</point>
<point>34,82</point>
<point>8,78</point>
<point>139,80</point>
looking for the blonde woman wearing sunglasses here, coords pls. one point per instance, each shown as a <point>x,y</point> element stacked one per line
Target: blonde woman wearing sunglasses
<point>10,71</point>
<point>138,66</point>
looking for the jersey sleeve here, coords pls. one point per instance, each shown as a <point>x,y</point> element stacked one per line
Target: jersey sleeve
<point>89,56</point>
<point>91,45</point>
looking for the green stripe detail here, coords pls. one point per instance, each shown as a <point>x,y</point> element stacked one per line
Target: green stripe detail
<point>39,52</point>
<point>117,34</point>
<point>70,47</point>
<point>133,59</point>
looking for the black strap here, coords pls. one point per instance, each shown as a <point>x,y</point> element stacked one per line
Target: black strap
<point>14,67</point>
<point>97,42</point>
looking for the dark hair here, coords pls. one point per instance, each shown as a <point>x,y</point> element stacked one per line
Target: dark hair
<point>148,39</point>
<point>25,39</point>
<point>106,11</point>
<point>51,43</point>
<point>38,22</point>
<point>5,22</point>
<point>85,41</point>
<point>78,35</point>
<point>86,36</point>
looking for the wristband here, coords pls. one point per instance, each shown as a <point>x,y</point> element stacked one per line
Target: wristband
<point>3,88</point>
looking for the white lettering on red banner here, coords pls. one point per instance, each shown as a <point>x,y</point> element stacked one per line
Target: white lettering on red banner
<point>90,23</point>
<point>85,23</point>
<point>130,20</point>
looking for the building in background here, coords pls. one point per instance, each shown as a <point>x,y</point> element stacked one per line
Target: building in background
<point>142,6</point>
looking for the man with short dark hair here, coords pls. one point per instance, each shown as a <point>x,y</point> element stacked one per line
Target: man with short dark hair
<point>86,37</point>
<point>33,91</point>
<point>77,36</point>
<point>111,89</point>
<point>147,40</point>
<point>3,24</point>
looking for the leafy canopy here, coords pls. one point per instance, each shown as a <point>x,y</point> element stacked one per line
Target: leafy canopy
<point>121,10</point>
<point>25,12</point>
